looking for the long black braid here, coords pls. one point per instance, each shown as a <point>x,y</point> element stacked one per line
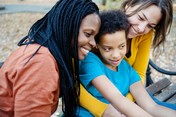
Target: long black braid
<point>57,31</point>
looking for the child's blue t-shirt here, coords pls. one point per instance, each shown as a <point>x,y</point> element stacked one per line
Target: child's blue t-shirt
<point>92,67</point>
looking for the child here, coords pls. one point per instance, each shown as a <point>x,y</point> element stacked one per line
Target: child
<point>109,78</point>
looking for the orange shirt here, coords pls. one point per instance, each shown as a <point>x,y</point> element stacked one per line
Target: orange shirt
<point>30,90</point>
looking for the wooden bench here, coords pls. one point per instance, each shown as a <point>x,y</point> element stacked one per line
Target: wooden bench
<point>163,90</point>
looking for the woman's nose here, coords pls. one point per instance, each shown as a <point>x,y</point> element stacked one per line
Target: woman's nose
<point>92,42</point>
<point>141,27</point>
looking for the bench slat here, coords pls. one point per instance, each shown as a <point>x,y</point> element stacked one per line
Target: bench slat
<point>172,100</point>
<point>167,93</point>
<point>158,86</point>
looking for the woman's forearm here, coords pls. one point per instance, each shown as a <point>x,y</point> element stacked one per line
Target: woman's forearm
<point>161,111</point>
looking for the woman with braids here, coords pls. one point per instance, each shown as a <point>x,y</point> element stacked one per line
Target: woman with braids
<point>45,66</point>
<point>150,22</point>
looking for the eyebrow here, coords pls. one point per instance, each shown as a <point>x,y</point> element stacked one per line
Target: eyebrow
<point>90,29</point>
<point>147,19</point>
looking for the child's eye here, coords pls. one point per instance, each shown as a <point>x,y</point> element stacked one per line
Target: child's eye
<point>107,49</point>
<point>87,34</point>
<point>122,46</point>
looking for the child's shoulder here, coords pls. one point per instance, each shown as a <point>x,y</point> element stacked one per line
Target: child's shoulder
<point>125,65</point>
<point>91,55</point>
<point>92,58</point>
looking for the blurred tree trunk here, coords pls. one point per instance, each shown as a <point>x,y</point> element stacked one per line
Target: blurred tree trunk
<point>104,2</point>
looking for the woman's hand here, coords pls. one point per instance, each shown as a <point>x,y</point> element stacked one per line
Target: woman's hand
<point>112,112</point>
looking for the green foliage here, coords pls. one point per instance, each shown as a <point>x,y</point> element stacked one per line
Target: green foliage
<point>111,4</point>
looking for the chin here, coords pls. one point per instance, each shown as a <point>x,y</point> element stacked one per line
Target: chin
<point>81,57</point>
<point>130,36</point>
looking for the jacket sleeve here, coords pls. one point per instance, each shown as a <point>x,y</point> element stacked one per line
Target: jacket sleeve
<point>142,57</point>
<point>89,102</point>
<point>36,88</point>
<point>141,61</point>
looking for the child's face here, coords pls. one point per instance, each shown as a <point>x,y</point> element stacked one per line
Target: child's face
<point>112,48</point>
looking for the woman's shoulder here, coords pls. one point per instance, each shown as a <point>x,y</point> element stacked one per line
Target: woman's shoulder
<point>33,52</point>
<point>147,36</point>
<point>34,47</point>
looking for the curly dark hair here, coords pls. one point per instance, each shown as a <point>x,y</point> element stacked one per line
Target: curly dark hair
<point>112,21</point>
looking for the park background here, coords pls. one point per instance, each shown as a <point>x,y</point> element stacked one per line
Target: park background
<point>17,16</point>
